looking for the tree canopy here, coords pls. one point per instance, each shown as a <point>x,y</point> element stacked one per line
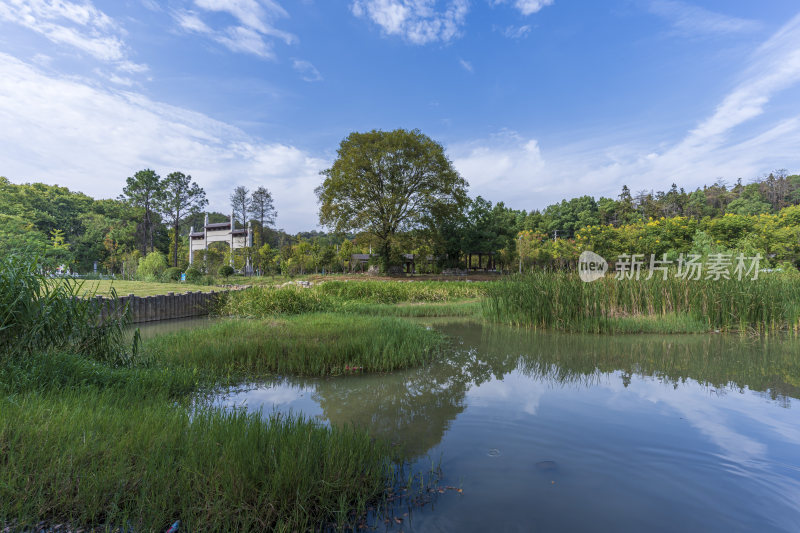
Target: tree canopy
<point>389,182</point>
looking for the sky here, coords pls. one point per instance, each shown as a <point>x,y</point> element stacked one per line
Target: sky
<point>533,100</point>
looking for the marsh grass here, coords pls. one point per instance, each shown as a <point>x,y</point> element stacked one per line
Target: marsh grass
<point>98,436</point>
<point>311,345</point>
<point>392,292</point>
<point>459,308</point>
<point>355,297</point>
<point>92,459</point>
<point>561,301</point>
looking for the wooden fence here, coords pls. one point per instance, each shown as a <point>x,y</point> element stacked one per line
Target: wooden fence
<point>163,307</point>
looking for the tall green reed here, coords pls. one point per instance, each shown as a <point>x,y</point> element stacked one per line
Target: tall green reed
<point>560,300</point>
<point>40,313</point>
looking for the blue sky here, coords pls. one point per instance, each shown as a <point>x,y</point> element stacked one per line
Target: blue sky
<point>534,100</point>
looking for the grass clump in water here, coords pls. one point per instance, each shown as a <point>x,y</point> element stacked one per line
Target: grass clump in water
<point>311,345</point>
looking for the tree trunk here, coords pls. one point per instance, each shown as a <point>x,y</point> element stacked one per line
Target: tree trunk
<point>175,244</point>
<point>385,253</point>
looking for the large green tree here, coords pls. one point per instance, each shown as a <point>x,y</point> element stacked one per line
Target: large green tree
<point>240,203</point>
<point>389,182</point>
<point>180,197</point>
<point>262,208</point>
<point>144,190</point>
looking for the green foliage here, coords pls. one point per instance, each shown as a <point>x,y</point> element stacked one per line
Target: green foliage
<point>107,461</point>
<point>388,292</point>
<point>558,300</point>
<point>172,274</point>
<point>144,190</point>
<point>340,296</point>
<point>312,345</point>
<point>37,313</point>
<point>225,271</point>
<point>151,266</point>
<point>260,302</point>
<point>193,275</point>
<point>179,197</point>
<point>389,182</point>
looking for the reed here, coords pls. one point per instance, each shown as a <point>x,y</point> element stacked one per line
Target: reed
<point>558,300</point>
<point>311,345</point>
<point>39,314</point>
<point>459,308</point>
<point>391,292</point>
<point>346,297</point>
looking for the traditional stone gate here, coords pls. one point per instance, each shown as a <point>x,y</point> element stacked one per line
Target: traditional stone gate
<point>220,232</point>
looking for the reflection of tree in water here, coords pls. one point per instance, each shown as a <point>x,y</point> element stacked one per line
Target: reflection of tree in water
<point>414,408</point>
<point>769,365</point>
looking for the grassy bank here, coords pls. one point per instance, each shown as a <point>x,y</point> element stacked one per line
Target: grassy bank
<point>561,301</point>
<point>311,345</point>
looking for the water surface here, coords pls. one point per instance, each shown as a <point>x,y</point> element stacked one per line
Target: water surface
<point>555,432</point>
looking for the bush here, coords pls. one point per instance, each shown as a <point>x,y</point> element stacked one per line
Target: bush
<point>152,266</point>
<point>193,275</point>
<point>171,274</point>
<point>225,271</point>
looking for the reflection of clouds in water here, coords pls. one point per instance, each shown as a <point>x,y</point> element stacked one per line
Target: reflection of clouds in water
<point>514,388</point>
<point>714,416</point>
<point>280,397</point>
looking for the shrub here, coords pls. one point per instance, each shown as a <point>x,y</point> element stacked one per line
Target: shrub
<point>193,275</point>
<point>152,266</point>
<point>171,274</point>
<point>225,271</point>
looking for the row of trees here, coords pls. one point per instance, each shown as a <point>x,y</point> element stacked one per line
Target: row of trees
<point>400,184</point>
<point>152,214</point>
<point>394,193</point>
<point>175,198</point>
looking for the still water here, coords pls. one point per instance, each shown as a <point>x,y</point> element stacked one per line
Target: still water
<point>555,432</point>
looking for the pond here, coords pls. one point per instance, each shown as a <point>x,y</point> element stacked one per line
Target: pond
<point>556,432</point>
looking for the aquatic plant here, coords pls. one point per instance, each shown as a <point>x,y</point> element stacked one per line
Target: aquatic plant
<point>312,345</point>
<point>560,300</point>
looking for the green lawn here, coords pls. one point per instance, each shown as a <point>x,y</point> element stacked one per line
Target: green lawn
<point>142,288</point>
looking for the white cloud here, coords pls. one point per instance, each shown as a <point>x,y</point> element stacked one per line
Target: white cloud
<point>253,32</point>
<point>693,20</point>
<point>417,21</point>
<point>78,25</point>
<point>517,32</point>
<point>189,21</point>
<point>90,139</point>
<point>251,13</point>
<point>717,146</point>
<point>526,7</point>
<point>466,65</point>
<point>307,70</point>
